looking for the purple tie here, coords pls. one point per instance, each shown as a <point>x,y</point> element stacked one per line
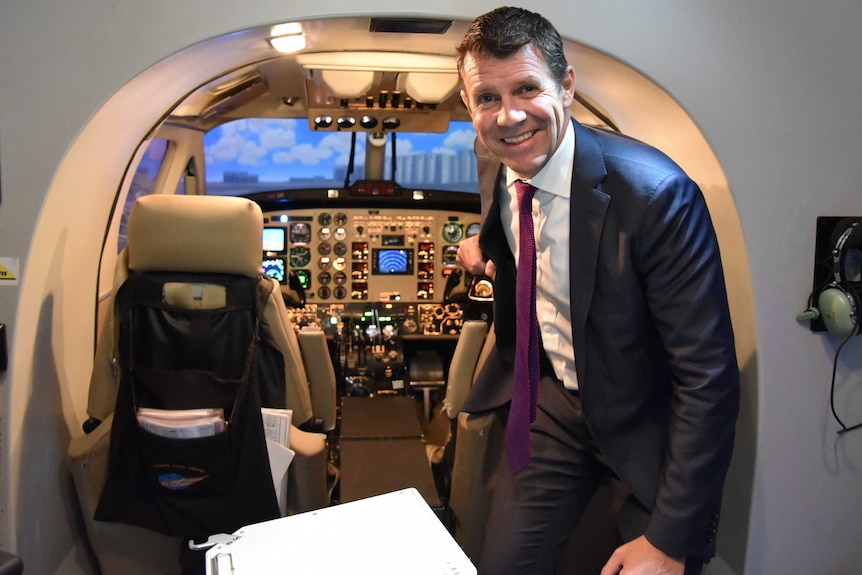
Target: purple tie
<point>525,388</point>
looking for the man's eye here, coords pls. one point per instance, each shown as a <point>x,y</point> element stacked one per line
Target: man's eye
<point>484,99</point>
<point>528,89</point>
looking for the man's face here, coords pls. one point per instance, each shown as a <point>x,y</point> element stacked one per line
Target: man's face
<point>520,113</point>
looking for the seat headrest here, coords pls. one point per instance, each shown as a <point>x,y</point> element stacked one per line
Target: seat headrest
<point>211,234</point>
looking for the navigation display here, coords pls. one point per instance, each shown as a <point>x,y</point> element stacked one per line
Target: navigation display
<point>275,268</point>
<point>391,261</point>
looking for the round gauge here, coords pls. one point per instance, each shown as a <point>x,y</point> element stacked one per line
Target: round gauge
<point>324,248</point>
<point>323,292</point>
<point>339,264</point>
<point>340,292</point>
<point>473,229</point>
<point>340,249</point>
<point>324,263</point>
<point>300,233</point>
<point>453,232</point>
<point>324,219</point>
<point>323,278</point>
<point>299,257</point>
<point>340,219</point>
<point>340,234</point>
<point>340,278</point>
<point>324,233</point>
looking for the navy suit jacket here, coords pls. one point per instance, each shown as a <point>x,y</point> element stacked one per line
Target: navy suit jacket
<point>654,348</point>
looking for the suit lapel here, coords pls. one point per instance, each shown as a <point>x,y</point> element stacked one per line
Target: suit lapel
<point>588,206</point>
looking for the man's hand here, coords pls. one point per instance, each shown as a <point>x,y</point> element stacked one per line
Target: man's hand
<point>472,259</point>
<point>640,557</point>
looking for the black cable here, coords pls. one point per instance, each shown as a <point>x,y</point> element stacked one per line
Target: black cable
<point>394,160</point>
<point>350,161</point>
<point>844,428</point>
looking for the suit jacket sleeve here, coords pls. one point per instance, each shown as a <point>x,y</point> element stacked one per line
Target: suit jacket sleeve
<point>683,281</point>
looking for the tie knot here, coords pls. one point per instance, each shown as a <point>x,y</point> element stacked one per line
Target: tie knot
<point>525,192</point>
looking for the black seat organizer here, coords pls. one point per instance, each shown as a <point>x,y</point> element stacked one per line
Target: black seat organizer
<point>174,358</point>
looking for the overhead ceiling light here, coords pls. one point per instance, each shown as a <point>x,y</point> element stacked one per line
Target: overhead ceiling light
<point>377,61</point>
<point>288,44</point>
<point>286,29</point>
<point>429,88</point>
<point>347,83</point>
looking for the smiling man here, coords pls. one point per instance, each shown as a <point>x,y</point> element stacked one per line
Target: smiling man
<point>615,354</point>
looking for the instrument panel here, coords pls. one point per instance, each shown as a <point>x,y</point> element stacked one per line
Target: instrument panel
<point>366,255</point>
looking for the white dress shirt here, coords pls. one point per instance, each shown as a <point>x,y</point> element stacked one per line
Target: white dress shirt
<point>551,228</point>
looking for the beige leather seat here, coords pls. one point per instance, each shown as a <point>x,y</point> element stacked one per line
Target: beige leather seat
<point>478,441</point>
<point>175,233</point>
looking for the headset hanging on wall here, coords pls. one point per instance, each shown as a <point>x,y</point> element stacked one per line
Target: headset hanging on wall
<point>839,301</point>
<point>838,296</point>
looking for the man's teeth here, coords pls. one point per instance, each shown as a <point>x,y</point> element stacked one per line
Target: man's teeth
<point>519,138</point>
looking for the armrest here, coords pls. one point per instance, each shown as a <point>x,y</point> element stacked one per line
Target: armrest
<point>463,365</point>
<point>321,375</point>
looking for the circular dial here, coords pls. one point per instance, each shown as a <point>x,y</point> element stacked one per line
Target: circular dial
<point>473,229</point>
<point>340,249</point>
<point>453,232</point>
<point>300,233</point>
<point>324,248</point>
<point>324,233</point>
<point>299,257</point>
<point>340,219</point>
<point>323,278</point>
<point>340,278</point>
<point>324,219</point>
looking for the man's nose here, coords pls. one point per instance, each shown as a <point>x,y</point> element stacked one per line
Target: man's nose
<point>510,113</point>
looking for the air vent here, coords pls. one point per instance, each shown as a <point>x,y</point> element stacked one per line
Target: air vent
<point>409,25</point>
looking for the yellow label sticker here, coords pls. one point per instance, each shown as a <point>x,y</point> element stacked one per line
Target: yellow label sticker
<point>8,271</point>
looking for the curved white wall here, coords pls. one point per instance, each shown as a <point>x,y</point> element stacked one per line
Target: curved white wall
<point>773,88</point>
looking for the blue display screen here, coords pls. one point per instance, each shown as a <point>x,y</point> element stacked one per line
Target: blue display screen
<point>392,261</point>
<point>275,268</point>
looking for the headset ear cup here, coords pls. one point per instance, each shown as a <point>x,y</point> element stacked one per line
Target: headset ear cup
<point>846,236</point>
<point>839,306</point>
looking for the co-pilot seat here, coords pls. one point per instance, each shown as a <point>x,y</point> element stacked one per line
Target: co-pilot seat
<point>478,440</point>
<point>196,234</point>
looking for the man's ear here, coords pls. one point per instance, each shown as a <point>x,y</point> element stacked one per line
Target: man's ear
<point>466,102</point>
<point>569,87</point>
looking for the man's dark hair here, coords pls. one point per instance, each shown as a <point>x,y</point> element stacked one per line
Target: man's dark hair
<point>503,31</point>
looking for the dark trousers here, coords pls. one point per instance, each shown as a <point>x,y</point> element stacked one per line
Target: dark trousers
<point>533,513</point>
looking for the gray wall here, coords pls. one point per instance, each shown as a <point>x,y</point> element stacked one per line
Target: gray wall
<point>773,87</point>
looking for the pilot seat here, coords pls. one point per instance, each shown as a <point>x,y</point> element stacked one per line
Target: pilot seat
<point>195,325</point>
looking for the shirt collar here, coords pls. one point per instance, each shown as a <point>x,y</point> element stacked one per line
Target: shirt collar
<point>556,176</point>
